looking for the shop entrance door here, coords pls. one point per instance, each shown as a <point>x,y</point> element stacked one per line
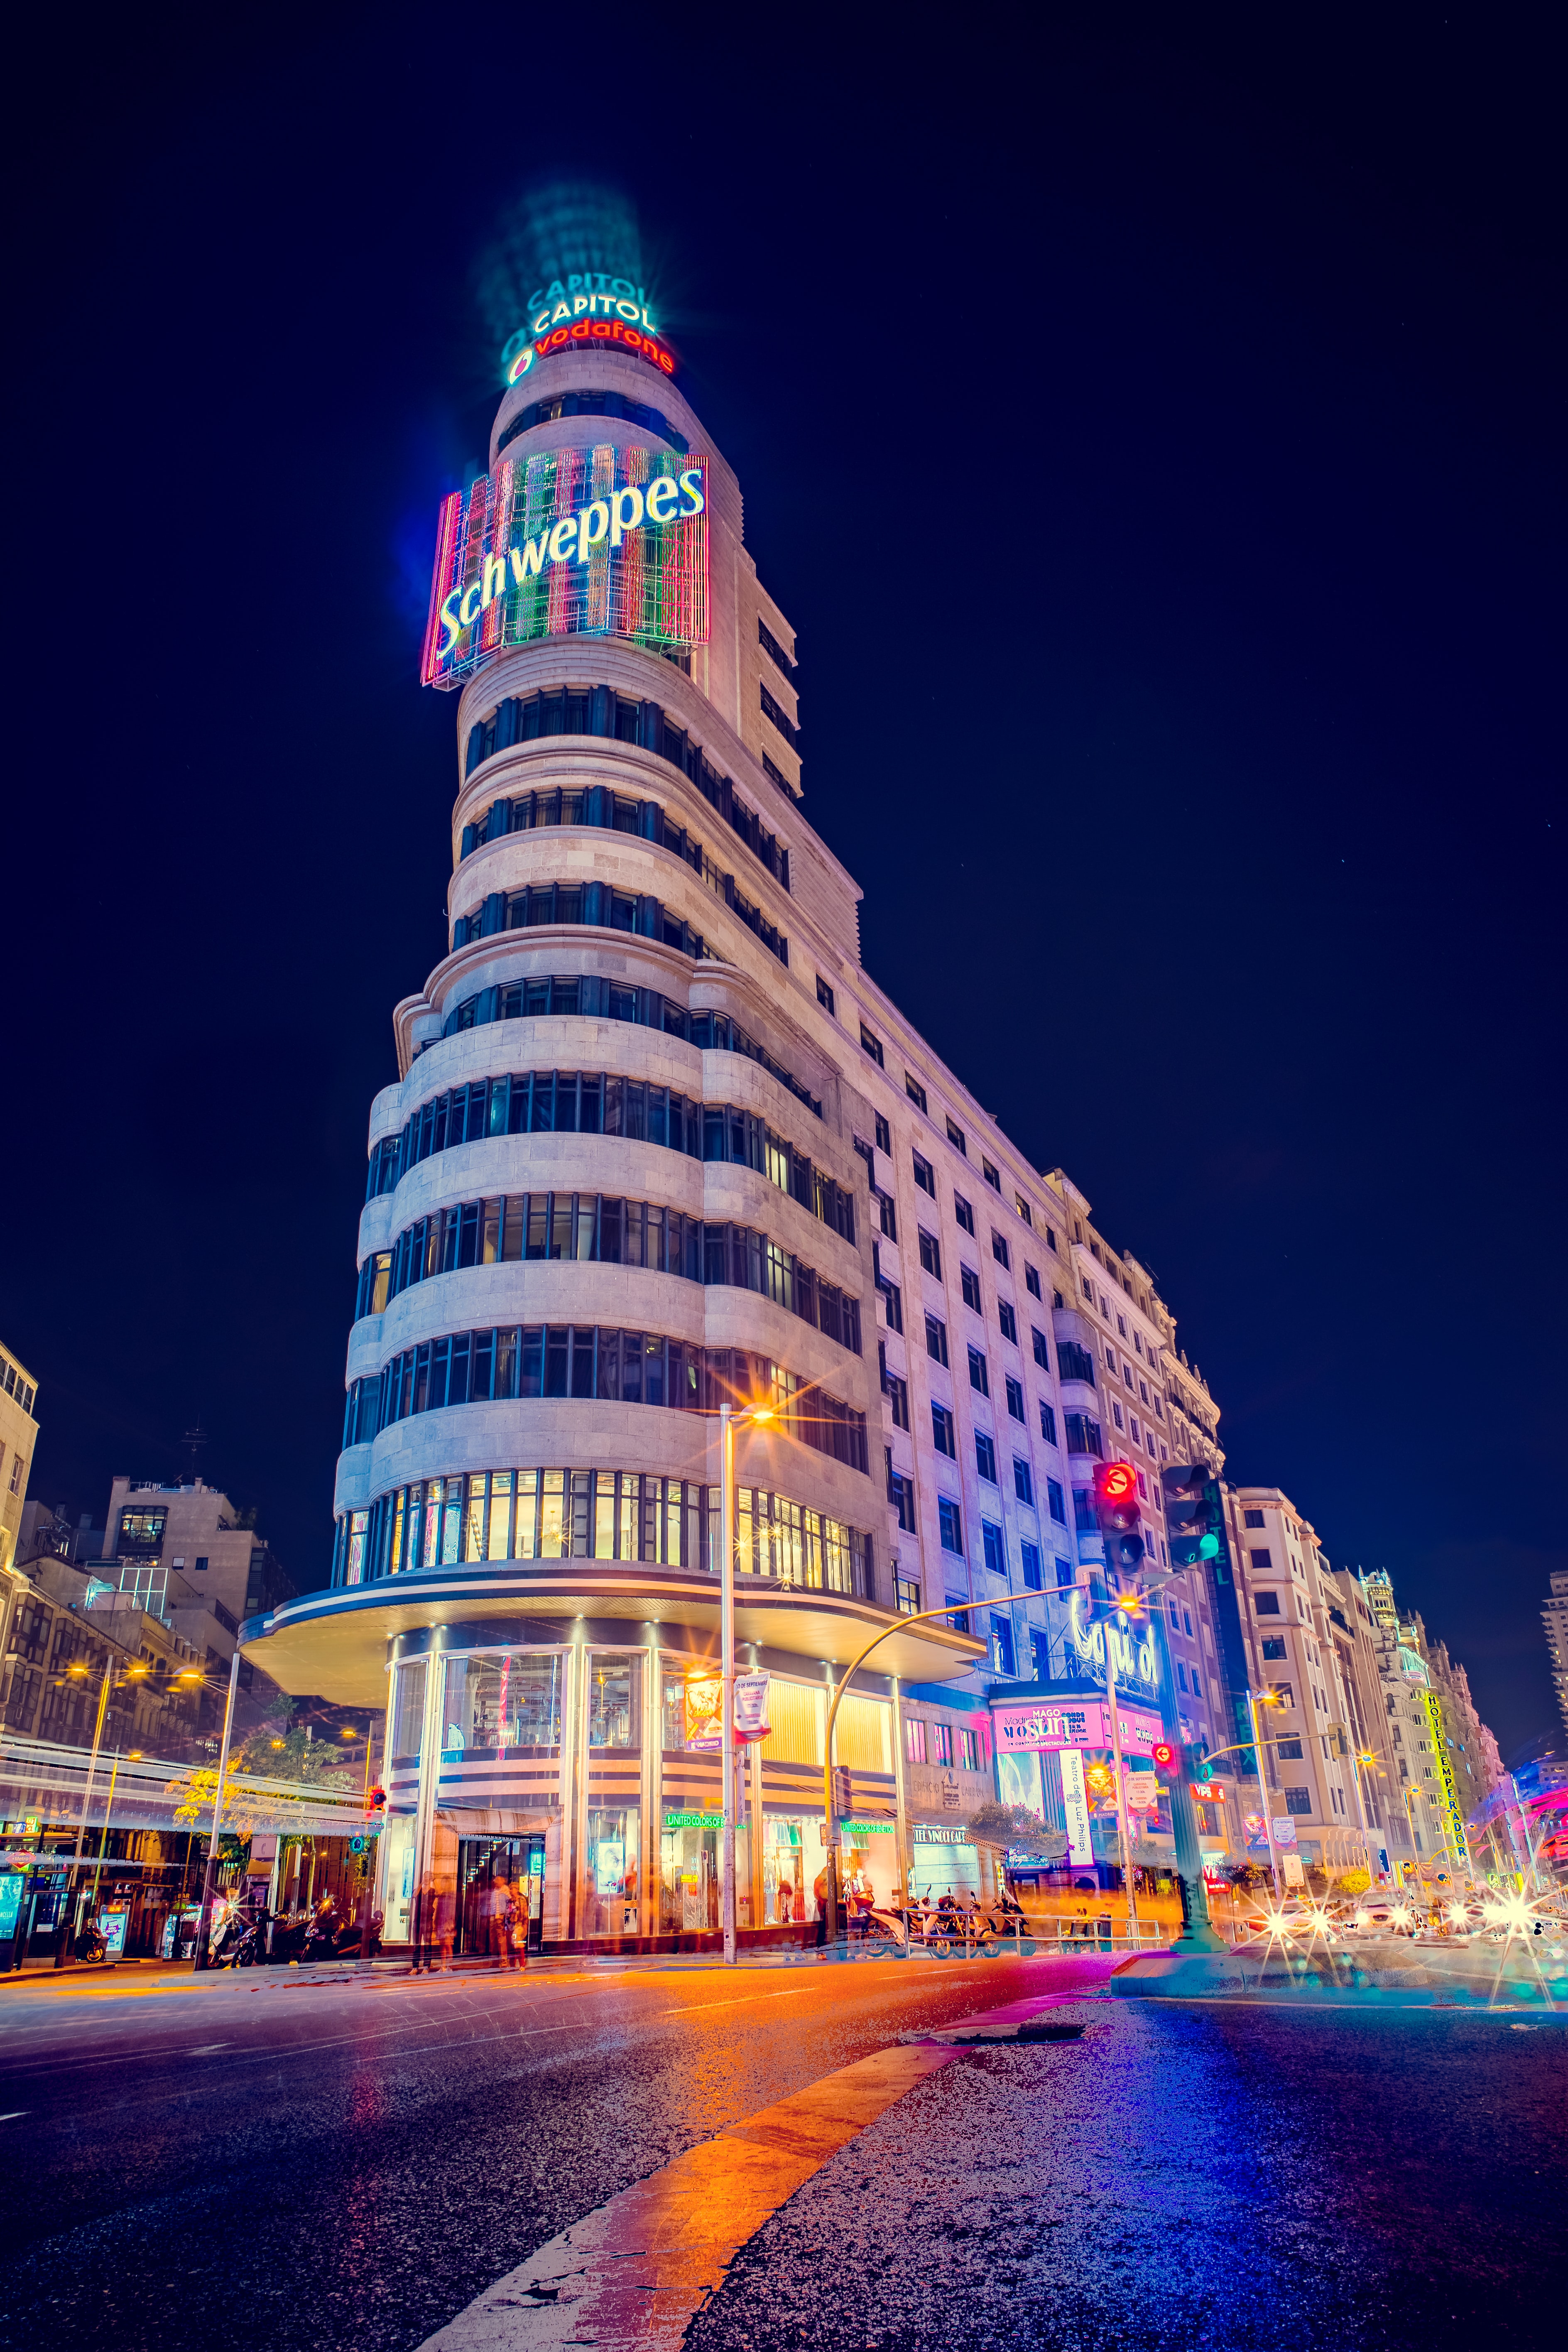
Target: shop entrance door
<point>499,1881</point>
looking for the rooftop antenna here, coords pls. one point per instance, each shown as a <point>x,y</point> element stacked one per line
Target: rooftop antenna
<point>194,1441</point>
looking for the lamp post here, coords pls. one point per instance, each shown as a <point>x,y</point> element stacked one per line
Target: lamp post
<point>62,1938</point>
<point>910,1617</point>
<point>210,1881</point>
<point>758,1415</point>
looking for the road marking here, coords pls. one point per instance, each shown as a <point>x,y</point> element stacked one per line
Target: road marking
<point>634,2271</point>
<point>205,2049</point>
<point>15,2116</point>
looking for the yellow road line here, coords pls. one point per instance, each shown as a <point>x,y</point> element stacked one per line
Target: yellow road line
<point>634,2271</point>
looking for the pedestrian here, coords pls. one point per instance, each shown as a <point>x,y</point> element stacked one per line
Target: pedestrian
<point>819,1890</point>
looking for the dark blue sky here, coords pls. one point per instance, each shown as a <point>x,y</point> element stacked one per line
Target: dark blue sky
<point>1155,438</point>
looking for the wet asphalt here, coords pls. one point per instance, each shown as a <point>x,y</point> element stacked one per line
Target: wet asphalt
<point>295,2166</point>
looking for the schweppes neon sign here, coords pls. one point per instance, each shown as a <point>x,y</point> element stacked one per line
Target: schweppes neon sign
<point>572,542</point>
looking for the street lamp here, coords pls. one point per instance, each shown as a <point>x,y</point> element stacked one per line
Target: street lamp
<point>756,1416</point>
<point>210,1881</point>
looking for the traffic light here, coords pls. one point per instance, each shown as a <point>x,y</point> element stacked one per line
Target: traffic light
<point>377,1802</point>
<point>1164,1756</point>
<point>1192,1513</point>
<point>1116,1510</point>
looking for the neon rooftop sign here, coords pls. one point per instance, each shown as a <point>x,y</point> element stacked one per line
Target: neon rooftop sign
<point>570,542</point>
<point>590,308</point>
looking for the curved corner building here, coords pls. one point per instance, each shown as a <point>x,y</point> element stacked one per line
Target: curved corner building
<point>615,1183</point>
<point>659,1142</point>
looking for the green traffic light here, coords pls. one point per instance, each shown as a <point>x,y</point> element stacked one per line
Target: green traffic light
<point>1209,1546</point>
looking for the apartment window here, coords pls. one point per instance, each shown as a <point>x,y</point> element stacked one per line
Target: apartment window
<point>931,1253</point>
<point>892,1302</point>
<point>1008,1321</point>
<point>1056,1502</point>
<point>1002,1647</point>
<point>884,1138</point>
<point>1023,1480</point>
<point>986,1457</point>
<point>873,1045</point>
<point>16,1474</point>
<point>978,1376</point>
<point>1116,1414</point>
<point>1075,1363</point>
<point>969,1751</point>
<point>992,1175</point>
<point>963,1213</point>
<point>1252,1518</point>
<point>1122,1324</point>
<point>942,1743</point>
<point>1299,1801</point>
<point>1064,1575</point>
<point>1041,1352</point>
<point>936,1339</point>
<point>1032,1282</point>
<point>914,1739</point>
<point>941,1432</point>
<point>1260,1558</point>
<point>1196,1685</point>
<point>1023,1208</point>
<point>969,1283</point>
<point>1274,1645</point>
<point>1032,1575</point>
<point>999,1250</point>
<point>1051,1241</point>
<point>1285,1694</point>
<point>915,1091</point>
<point>1181,1676</point>
<point>925,1174</point>
<point>203,1561</point>
<point>956,1137</point>
<point>992,1546</point>
<point>951,1521</point>
<point>901,1495</point>
<point>1087,1287</point>
<point>897,1392</point>
<point>1015,1398</point>
<point>907,1595</point>
<point>1083,1435</point>
<point>1265,1604</point>
<point>825,996</point>
<point>1048,1423</point>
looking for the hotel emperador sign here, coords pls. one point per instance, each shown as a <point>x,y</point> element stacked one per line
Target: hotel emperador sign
<point>600,542</point>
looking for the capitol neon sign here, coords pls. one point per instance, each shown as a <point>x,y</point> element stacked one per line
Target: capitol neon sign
<point>592,308</point>
<point>1134,1660</point>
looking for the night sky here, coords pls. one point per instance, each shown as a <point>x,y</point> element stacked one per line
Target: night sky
<point>1155,438</point>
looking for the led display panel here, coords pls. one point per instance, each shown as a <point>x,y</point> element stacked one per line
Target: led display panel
<point>600,542</point>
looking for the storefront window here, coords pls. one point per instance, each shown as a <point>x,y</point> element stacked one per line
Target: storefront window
<point>611,1904</point>
<point>502,1701</point>
<point>791,1862</point>
<point>615,1699</point>
<point>688,1874</point>
<point>501,1891</point>
<point>408,1713</point>
<point>397,1888</point>
<point>944,1861</point>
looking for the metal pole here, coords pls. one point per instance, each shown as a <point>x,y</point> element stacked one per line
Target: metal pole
<point>60,1939</point>
<point>727,1670</point>
<point>1275,1870</point>
<point>1122,1839</point>
<point>210,1881</point>
<point>103,1842</point>
<point>912,1617</point>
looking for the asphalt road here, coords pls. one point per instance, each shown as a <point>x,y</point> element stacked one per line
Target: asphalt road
<point>296,2166</point>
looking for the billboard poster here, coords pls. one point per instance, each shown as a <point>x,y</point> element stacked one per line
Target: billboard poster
<point>702,1704</point>
<point>1045,1727</point>
<point>601,542</point>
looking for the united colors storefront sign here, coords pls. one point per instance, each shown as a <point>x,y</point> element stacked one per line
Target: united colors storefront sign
<point>601,542</point>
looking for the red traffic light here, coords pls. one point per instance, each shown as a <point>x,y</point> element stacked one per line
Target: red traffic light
<point>377,1802</point>
<point>1116,1496</point>
<point>1163,1756</point>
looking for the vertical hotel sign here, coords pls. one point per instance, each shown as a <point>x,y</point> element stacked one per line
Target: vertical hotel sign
<point>599,542</point>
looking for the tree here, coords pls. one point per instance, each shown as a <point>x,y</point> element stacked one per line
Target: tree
<point>1016,1827</point>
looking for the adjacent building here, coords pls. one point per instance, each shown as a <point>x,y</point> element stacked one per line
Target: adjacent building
<point>1554,1618</point>
<point>18,1436</point>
